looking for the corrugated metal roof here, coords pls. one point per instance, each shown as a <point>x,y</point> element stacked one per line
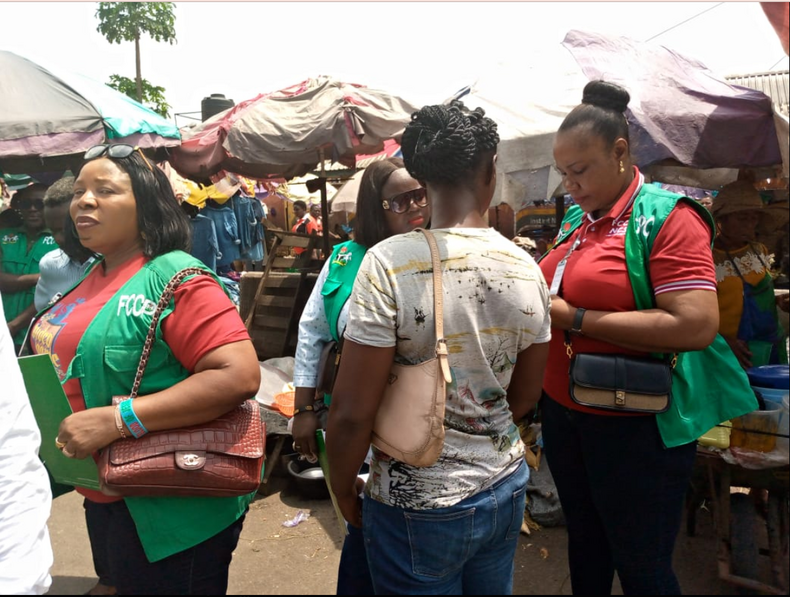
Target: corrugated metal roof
<point>775,85</point>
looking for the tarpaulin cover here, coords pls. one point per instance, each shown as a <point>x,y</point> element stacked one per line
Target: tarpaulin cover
<point>679,110</point>
<point>48,115</point>
<point>280,134</point>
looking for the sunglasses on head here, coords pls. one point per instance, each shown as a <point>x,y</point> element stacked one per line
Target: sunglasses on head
<point>32,204</point>
<point>116,151</point>
<point>401,202</point>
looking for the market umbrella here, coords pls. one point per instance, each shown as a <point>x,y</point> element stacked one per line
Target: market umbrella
<point>346,197</point>
<point>49,117</point>
<point>288,132</point>
<point>680,112</point>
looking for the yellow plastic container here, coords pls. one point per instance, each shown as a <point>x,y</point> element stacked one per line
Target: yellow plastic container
<point>718,437</point>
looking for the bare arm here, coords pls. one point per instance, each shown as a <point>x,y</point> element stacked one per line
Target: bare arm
<point>351,417</point>
<point>526,382</point>
<point>305,424</point>
<point>682,321</point>
<point>224,378</point>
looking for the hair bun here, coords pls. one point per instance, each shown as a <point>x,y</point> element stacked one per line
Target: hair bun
<point>606,95</point>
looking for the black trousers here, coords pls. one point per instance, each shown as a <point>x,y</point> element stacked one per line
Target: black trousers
<point>622,494</point>
<point>120,561</point>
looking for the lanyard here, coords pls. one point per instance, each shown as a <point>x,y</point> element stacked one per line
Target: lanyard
<point>556,282</point>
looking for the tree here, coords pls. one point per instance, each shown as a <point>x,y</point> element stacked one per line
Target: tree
<point>127,21</point>
<point>153,95</point>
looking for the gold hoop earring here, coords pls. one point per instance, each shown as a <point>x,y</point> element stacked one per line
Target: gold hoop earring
<point>622,168</point>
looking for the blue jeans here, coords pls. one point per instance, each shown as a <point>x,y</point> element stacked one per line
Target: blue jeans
<point>353,574</point>
<point>467,548</point>
<point>622,493</point>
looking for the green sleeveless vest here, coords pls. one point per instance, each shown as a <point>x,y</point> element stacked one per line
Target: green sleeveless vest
<point>18,261</point>
<point>343,267</point>
<point>106,362</point>
<point>708,386</point>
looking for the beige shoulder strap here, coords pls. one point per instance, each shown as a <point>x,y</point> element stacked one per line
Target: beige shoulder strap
<point>441,344</point>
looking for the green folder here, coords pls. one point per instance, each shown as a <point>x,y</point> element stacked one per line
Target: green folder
<point>50,407</point>
<point>324,462</point>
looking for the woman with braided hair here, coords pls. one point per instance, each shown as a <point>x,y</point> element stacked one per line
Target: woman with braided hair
<point>451,527</point>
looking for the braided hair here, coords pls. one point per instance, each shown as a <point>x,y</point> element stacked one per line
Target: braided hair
<point>447,144</point>
<point>603,110</point>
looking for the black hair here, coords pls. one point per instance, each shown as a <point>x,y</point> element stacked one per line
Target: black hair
<point>603,110</point>
<point>162,224</point>
<point>448,143</point>
<point>300,203</point>
<point>60,192</point>
<point>370,224</point>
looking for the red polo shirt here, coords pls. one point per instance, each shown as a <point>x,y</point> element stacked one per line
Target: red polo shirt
<point>596,277</point>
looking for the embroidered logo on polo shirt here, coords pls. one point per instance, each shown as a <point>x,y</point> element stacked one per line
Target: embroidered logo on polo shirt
<point>10,238</point>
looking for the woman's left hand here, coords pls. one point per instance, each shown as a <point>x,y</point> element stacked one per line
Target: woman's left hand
<point>351,504</point>
<point>86,431</point>
<point>562,313</point>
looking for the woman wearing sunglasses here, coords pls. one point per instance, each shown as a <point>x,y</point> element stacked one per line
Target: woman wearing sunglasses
<point>202,365</point>
<point>451,527</point>
<point>389,202</point>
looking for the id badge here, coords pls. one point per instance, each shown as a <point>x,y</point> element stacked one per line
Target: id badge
<point>557,280</point>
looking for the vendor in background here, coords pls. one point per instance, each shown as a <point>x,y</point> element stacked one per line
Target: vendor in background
<point>747,302</point>
<point>315,214</point>
<point>305,223</point>
<point>21,249</point>
<point>384,183</point>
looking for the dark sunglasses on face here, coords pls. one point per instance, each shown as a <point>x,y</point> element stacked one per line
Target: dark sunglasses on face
<point>401,202</point>
<point>117,151</point>
<point>32,204</point>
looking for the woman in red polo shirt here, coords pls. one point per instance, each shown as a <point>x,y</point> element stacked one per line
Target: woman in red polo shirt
<point>621,490</point>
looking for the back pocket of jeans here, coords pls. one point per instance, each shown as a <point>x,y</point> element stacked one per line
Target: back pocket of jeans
<point>519,502</point>
<point>439,543</point>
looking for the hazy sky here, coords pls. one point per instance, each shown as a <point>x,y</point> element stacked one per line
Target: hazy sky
<point>422,50</point>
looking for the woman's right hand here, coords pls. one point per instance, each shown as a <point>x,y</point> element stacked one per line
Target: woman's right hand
<point>741,351</point>
<point>304,427</point>
<point>305,424</point>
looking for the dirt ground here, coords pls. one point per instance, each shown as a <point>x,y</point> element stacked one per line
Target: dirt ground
<point>275,560</point>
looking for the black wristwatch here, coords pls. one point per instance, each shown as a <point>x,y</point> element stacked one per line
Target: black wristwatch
<point>576,326</point>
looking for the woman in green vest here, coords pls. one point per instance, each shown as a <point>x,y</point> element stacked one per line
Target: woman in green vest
<point>631,274</point>
<point>202,364</point>
<point>390,202</point>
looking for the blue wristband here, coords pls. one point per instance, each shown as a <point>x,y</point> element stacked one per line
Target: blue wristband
<point>130,418</point>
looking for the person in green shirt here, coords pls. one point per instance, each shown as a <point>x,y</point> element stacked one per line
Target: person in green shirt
<point>21,248</point>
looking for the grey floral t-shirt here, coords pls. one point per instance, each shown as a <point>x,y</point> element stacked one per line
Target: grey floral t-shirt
<point>496,304</point>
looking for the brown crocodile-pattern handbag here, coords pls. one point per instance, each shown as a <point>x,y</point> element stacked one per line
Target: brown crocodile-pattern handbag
<point>221,458</point>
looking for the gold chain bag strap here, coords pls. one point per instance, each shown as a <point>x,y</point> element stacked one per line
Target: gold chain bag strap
<point>409,424</point>
<point>221,458</point>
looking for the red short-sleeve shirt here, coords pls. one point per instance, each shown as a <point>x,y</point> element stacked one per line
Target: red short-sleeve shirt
<point>596,276</point>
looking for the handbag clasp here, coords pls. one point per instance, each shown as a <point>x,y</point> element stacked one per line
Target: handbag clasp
<point>619,397</point>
